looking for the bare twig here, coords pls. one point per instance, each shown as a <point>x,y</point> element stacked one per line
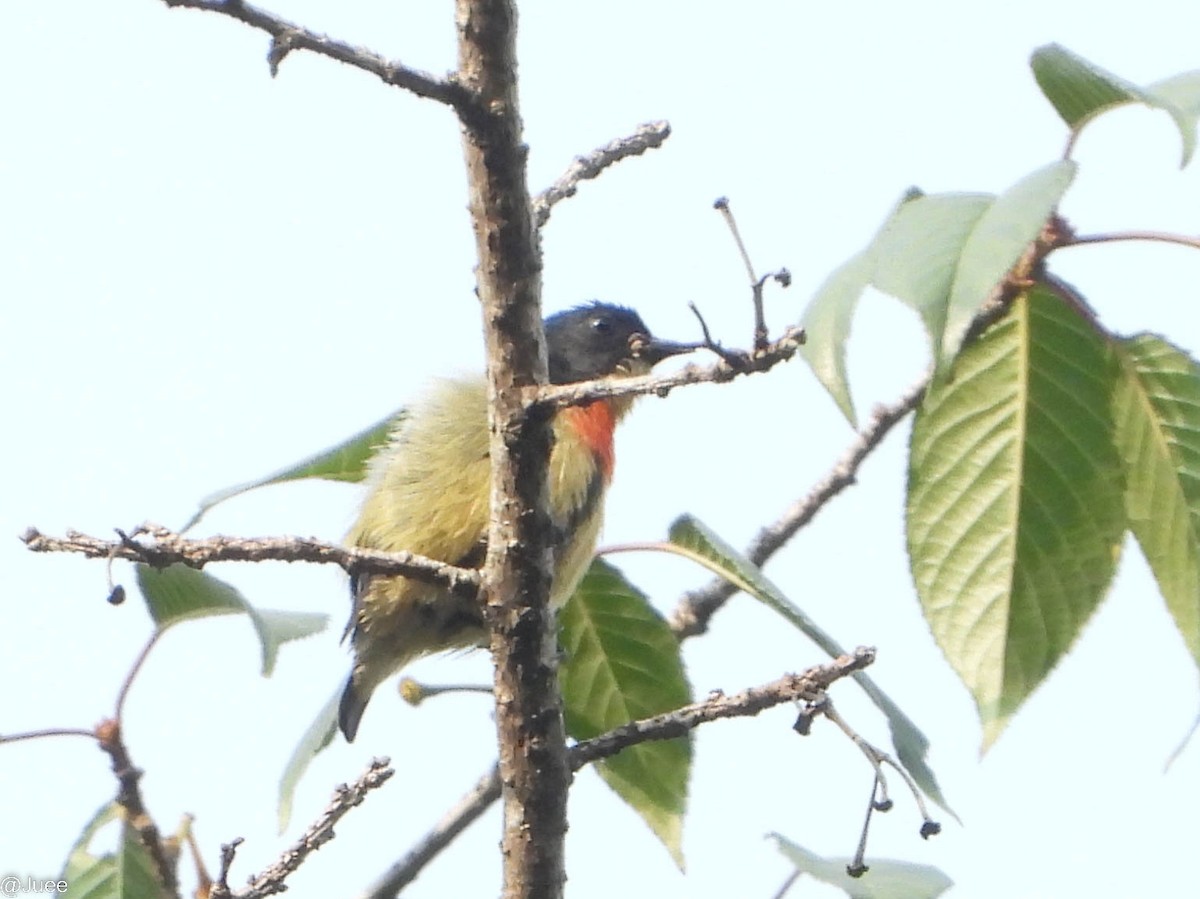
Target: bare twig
<point>787,884</point>
<point>878,758</point>
<point>809,686</point>
<point>320,832</point>
<point>1182,240</point>
<point>660,385</point>
<point>286,37</point>
<point>789,688</point>
<point>695,608</point>
<point>228,853</point>
<point>874,756</point>
<point>118,715</point>
<point>721,204</point>
<point>761,335</point>
<point>735,359</point>
<point>159,547</point>
<point>649,136</point>
<point>858,866</point>
<point>48,732</point>
<point>1183,744</point>
<point>405,870</point>
<point>129,797</point>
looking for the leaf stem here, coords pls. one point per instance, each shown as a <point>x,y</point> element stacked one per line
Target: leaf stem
<point>1126,236</point>
<point>47,732</point>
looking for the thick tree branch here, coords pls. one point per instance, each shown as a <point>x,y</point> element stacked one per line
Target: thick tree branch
<point>808,686</point>
<point>159,547</point>
<point>518,572</point>
<point>286,37</point>
<point>647,137</point>
<point>320,832</point>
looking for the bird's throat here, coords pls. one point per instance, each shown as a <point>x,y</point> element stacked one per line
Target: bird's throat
<point>594,425</point>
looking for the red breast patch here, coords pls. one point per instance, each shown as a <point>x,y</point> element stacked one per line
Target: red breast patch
<point>595,423</point>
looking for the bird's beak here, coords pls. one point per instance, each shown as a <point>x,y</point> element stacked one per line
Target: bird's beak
<point>652,350</point>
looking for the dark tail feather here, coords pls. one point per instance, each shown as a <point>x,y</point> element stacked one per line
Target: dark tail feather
<point>351,709</point>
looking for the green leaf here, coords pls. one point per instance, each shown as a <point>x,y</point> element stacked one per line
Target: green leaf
<point>276,627</point>
<point>347,461</point>
<point>1009,225</point>
<point>885,879</point>
<point>136,874</point>
<point>1157,415</point>
<point>622,663</point>
<point>1183,91</point>
<point>826,323</point>
<point>1077,89</point>
<point>705,547</point>
<point>179,593</point>
<point>918,254</point>
<point>1180,96</point>
<point>1080,91</point>
<point>319,735</point>
<point>81,866</point>
<point>943,256</point>
<point>1015,513</point>
<point>128,873</point>
<point>827,319</point>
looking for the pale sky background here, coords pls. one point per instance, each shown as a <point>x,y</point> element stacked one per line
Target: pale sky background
<point>207,274</point>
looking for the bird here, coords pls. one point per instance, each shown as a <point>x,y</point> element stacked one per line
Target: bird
<point>428,493</point>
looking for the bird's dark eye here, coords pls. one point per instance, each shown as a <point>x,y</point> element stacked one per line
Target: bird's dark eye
<point>600,325</point>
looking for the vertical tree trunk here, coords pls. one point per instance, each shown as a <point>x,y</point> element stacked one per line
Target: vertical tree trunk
<point>517,576</point>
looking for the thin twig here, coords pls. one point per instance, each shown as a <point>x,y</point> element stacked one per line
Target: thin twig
<point>133,671</point>
<point>878,758</point>
<point>159,547</point>
<point>228,852</point>
<point>790,688</point>
<point>756,283</point>
<point>286,37</point>
<point>874,756</point>
<point>1183,744</point>
<point>734,358</point>
<point>721,204</point>
<point>787,884</point>
<point>405,870</point>
<point>48,732</point>
<point>649,136</point>
<point>660,385</point>
<point>320,832</point>
<point>1126,236</point>
<point>857,866</point>
<point>809,686</point>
